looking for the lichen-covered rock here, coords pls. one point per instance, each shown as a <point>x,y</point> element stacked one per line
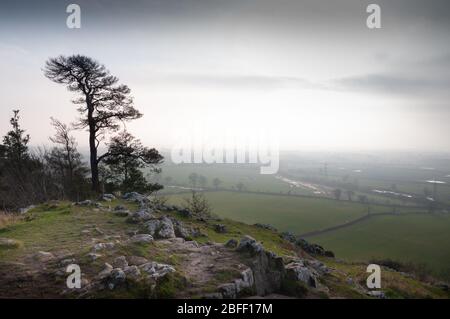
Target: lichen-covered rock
<point>105,272</point>
<point>156,270</point>
<point>103,246</point>
<point>136,260</point>
<point>116,277</point>
<point>232,243</point>
<point>160,228</point>
<point>132,272</point>
<point>107,197</point>
<point>142,238</point>
<point>228,291</point>
<point>297,271</point>
<point>250,245</point>
<point>141,216</point>
<point>120,262</point>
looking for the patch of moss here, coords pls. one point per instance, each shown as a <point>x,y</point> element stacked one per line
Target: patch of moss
<point>168,286</point>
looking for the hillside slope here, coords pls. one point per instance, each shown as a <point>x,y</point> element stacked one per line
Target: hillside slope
<point>126,249</point>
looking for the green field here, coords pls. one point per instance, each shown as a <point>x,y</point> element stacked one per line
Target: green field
<point>295,214</point>
<point>421,239</point>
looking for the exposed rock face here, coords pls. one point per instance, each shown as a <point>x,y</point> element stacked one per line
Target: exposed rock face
<point>297,271</point>
<point>105,272</point>
<point>232,243</point>
<point>156,270</point>
<point>120,262</point>
<point>268,269</point>
<point>142,238</point>
<point>140,216</point>
<point>250,245</point>
<point>116,277</point>
<point>160,228</point>
<point>135,197</point>
<point>180,230</point>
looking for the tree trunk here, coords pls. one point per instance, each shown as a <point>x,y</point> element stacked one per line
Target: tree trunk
<point>93,152</point>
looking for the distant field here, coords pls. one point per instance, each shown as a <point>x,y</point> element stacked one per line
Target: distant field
<point>230,175</point>
<point>295,214</point>
<point>410,238</point>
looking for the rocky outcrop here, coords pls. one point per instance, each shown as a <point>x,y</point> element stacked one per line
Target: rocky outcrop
<point>140,216</point>
<point>156,270</point>
<point>265,226</point>
<point>161,228</point>
<point>142,238</point>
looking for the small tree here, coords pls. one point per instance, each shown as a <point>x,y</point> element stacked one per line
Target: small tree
<point>193,180</point>
<point>65,162</point>
<point>15,142</point>
<point>337,193</point>
<point>198,204</point>
<point>216,183</point>
<point>125,159</point>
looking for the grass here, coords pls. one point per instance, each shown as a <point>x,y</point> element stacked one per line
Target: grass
<point>419,239</point>
<point>298,215</point>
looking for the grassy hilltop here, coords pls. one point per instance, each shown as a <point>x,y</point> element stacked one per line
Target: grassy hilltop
<point>35,246</point>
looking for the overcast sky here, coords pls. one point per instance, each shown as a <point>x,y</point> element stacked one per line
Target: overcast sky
<point>310,71</point>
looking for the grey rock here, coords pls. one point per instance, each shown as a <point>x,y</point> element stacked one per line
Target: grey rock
<point>228,291</point>
<point>299,272</point>
<point>120,262</point>
<point>67,261</point>
<point>265,226</point>
<point>132,272</point>
<point>232,243</point>
<point>156,270</point>
<point>250,245</point>
<point>93,256</point>
<point>376,294</point>
<point>116,277</point>
<point>142,238</point>
<point>103,246</point>
<point>140,216</point>
<point>105,272</point>
<point>136,260</point>
<point>161,228</point>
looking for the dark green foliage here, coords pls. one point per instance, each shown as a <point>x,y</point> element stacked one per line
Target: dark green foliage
<point>123,164</point>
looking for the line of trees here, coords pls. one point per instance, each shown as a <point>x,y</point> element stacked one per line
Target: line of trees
<point>28,177</point>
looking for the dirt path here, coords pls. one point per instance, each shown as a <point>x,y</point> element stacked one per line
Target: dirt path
<point>204,266</point>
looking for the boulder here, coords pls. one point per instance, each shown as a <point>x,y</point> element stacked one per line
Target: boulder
<point>142,238</point>
<point>120,262</point>
<point>105,272</point>
<point>297,271</point>
<point>184,212</point>
<point>132,272</point>
<point>122,213</point>
<point>103,246</point>
<point>120,207</point>
<point>160,228</point>
<point>228,291</point>
<point>250,245</point>
<point>116,277</point>
<point>156,270</point>
<point>67,261</point>
<point>140,216</point>
<point>232,243</point>
<point>180,230</point>
<point>136,260</point>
